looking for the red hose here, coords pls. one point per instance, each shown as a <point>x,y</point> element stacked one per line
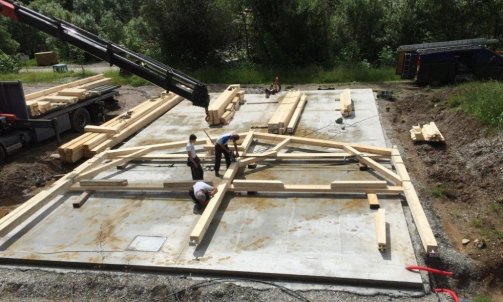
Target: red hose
<point>448,291</point>
<point>428,269</point>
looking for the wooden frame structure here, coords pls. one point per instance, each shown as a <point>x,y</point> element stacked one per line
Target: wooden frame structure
<point>82,179</point>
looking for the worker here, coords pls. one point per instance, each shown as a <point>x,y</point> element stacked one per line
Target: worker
<point>274,88</point>
<point>193,161</point>
<point>222,147</point>
<point>201,193</point>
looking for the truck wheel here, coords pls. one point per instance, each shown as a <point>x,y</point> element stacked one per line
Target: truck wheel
<point>80,119</point>
<point>3,155</point>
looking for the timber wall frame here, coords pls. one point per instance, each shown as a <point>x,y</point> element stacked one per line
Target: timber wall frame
<point>82,179</point>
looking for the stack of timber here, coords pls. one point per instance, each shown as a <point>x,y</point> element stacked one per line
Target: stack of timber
<point>280,120</point>
<point>99,138</point>
<point>428,133</point>
<point>294,121</point>
<point>43,101</point>
<point>222,110</point>
<point>346,103</point>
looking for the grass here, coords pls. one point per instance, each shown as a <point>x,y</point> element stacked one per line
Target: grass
<point>439,191</point>
<point>44,77</point>
<point>119,79</point>
<point>482,298</point>
<point>481,100</point>
<point>261,75</point>
<point>478,223</point>
<point>307,75</point>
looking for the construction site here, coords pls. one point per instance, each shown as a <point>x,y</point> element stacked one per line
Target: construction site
<point>343,192</point>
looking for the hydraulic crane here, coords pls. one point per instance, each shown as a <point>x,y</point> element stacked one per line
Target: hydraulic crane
<point>135,63</point>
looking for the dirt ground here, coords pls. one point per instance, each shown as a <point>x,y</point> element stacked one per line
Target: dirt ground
<point>460,184</point>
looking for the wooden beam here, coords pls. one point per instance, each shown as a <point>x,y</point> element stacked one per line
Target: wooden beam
<point>373,201</point>
<point>55,89</point>
<point>346,103</point>
<point>383,171</point>
<point>81,199</point>
<point>198,232</point>
<point>295,188</point>
<point>380,221</point>
<point>358,184</point>
<point>103,182</point>
<point>290,129</point>
<point>421,221</point>
<point>324,143</point>
<point>182,184</point>
<point>243,183</point>
<point>252,160</point>
<point>100,129</point>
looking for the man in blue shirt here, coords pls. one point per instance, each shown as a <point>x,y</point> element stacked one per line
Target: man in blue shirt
<point>222,147</point>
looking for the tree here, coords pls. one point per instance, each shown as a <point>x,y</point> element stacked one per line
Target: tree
<point>192,33</point>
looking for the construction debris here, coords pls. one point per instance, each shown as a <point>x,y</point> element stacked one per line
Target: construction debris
<point>346,103</point>
<point>225,106</point>
<point>109,134</point>
<point>428,133</point>
<point>43,101</point>
<point>280,120</point>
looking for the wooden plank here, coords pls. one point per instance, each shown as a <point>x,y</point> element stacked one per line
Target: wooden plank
<point>94,84</point>
<point>252,160</point>
<point>346,104</point>
<point>60,99</point>
<point>55,89</point>
<point>323,143</point>
<point>139,124</point>
<point>420,220</point>
<point>244,183</point>
<point>360,184</point>
<point>373,201</point>
<point>103,182</point>
<point>81,199</point>
<point>198,232</point>
<point>296,115</point>
<point>218,107</point>
<point>380,221</point>
<point>182,184</point>
<point>75,92</point>
<point>100,129</point>
<point>291,188</point>
<point>383,171</point>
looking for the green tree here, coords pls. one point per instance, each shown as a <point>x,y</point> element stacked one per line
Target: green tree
<point>191,32</point>
<point>7,44</point>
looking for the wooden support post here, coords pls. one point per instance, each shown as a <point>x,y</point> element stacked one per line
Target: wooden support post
<point>423,226</point>
<point>346,103</point>
<point>81,199</point>
<point>373,201</point>
<point>380,221</point>
<point>385,172</point>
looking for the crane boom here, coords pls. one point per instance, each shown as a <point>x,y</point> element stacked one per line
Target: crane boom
<point>135,63</point>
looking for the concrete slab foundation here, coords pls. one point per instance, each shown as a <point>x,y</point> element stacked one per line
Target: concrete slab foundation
<point>329,238</point>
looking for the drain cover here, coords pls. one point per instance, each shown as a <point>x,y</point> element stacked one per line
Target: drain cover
<point>146,243</point>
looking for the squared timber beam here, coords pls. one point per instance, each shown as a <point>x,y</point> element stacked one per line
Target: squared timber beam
<point>385,172</point>
<point>428,240</point>
<point>380,221</point>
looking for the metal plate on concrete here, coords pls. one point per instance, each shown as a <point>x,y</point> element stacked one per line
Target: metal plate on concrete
<point>146,243</point>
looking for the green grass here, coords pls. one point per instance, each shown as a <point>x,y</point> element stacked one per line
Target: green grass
<point>132,80</point>
<point>261,75</point>
<point>482,100</point>
<point>482,298</point>
<point>478,223</point>
<point>44,77</point>
<point>307,75</point>
<point>439,191</point>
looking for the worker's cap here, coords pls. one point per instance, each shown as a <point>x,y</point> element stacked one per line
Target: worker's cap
<point>201,196</point>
